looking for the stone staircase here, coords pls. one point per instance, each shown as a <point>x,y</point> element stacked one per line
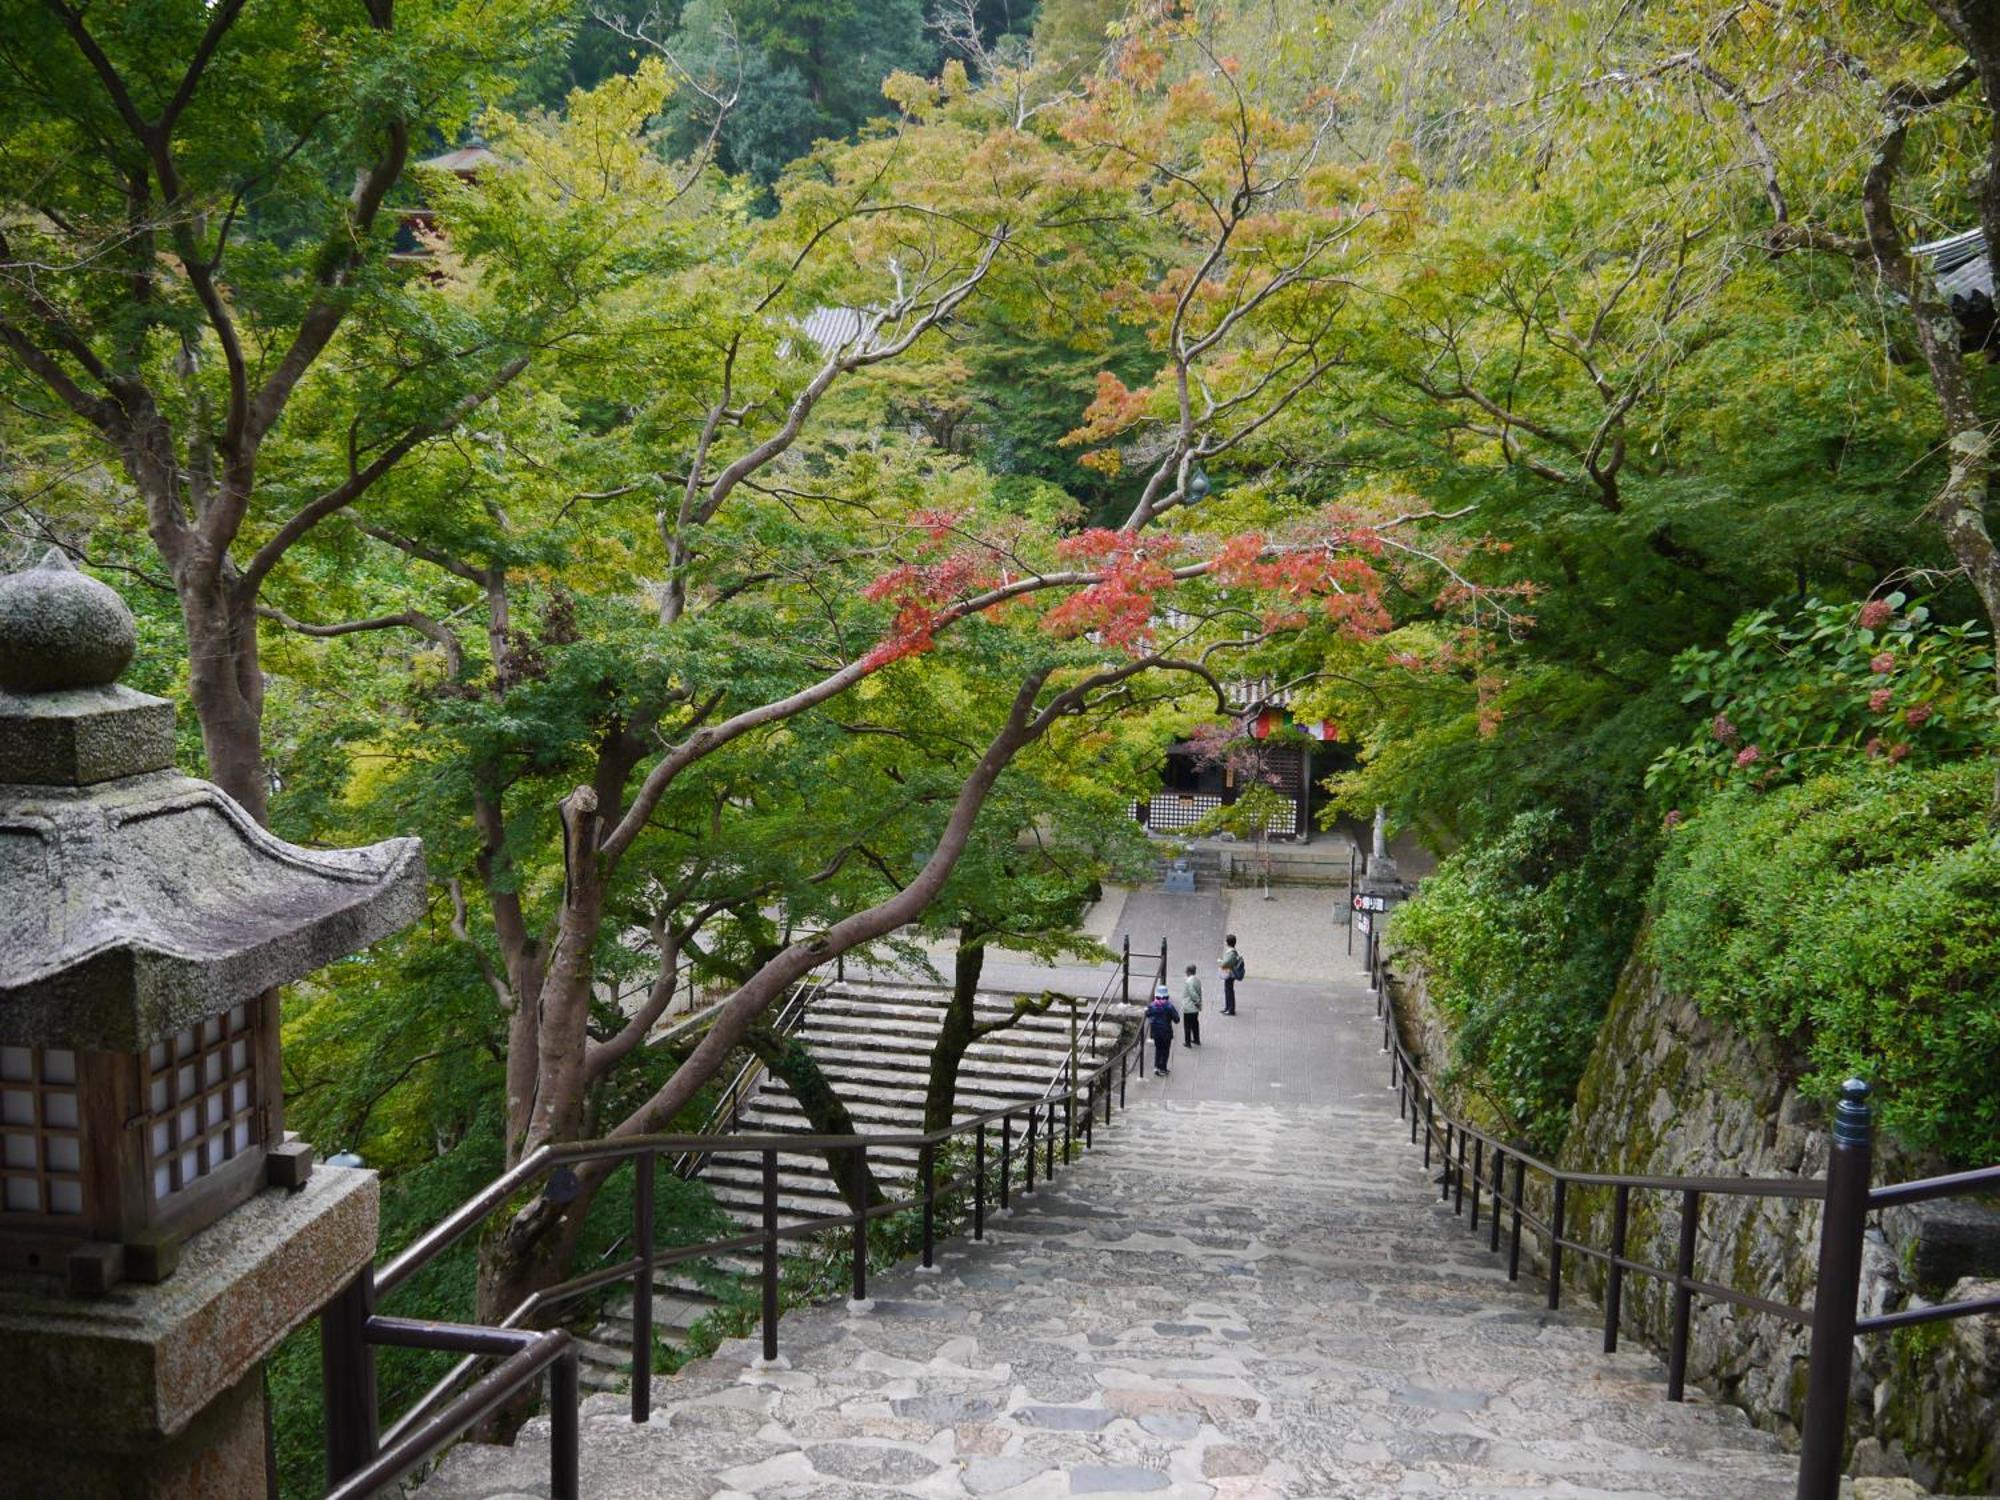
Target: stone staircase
<point>873,1042</point>
<point>1220,1302</point>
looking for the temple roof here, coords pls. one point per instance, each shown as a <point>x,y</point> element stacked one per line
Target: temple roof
<point>1959,265</point>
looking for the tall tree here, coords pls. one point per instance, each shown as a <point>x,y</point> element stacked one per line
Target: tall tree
<point>195,204</point>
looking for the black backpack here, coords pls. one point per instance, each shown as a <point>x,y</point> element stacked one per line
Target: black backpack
<point>1240,968</point>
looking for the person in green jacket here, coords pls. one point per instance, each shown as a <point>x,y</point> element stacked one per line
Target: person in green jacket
<point>1191,1007</point>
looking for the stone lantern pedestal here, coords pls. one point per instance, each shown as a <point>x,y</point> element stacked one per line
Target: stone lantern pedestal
<point>157,1392</point>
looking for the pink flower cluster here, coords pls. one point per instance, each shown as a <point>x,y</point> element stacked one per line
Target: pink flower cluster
<point>1879,699</point>
<point>1882,663</point>
<point>1917,713</point>
<point>1749,755</point>
<point>1725,732</point>
<point>1876,613</point>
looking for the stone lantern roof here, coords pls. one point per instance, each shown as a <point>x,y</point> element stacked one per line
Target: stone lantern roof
<point>134,901</point>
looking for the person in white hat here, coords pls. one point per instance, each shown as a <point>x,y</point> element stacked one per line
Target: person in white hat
<point>1162,1017</point>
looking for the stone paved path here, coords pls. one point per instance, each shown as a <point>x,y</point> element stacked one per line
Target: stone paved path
<point>1231,1299</point>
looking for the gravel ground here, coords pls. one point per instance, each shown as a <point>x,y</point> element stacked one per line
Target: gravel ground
<point>1294,935</point>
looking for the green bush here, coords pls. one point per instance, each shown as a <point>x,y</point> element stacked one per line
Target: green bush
<point>1795,697</point>
<point>1522,938</point>
<point>1854,920</point>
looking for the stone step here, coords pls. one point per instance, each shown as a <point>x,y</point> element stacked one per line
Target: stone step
<point>897,1034</point>
<point>873,1043</point>
<point>857,1088</point>
<point>889,1009</point>
<point>885,1039</point>
<point>887,1162</point>
<point>1017,1073</point>
<point>873,1113</point>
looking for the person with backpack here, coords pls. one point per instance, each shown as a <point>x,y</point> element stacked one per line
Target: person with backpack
<point>1191,1007</point>
<point>1231,965</point>
<point>1161,1017</point>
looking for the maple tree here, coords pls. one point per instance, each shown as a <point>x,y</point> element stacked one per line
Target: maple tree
<point>141,292</point>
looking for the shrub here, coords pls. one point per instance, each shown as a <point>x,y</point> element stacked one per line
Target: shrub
<point>1833,684</point>
<point>1522,939</point>
<point>1855,921</point>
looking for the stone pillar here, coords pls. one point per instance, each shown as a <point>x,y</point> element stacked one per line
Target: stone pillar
<point>157,1392</point>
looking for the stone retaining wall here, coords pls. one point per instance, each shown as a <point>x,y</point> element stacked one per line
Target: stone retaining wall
<point>1667,1093</point>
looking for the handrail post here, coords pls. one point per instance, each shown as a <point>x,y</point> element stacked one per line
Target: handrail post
<point>565,1440</point>
<point>927,1167</point>
<point>1049,1144</point>
<point>1478,1165</point>
<point>1125,972</point>
<point>1614,1285</point>
<point>1006,1159</point>
<point>642,1290</point>
<point>860,1250</point>
<point>1458,1178</point>
<point>1069,1122</point>
<point>1556,1243</point>
<point>1089,1114</point>
<point>1499,1187</point>
<point>1514,1244</point>
<point>1430,1115</point>
<point>347,1378</point>
<point>1830,1365</point>
<point>979,1182</point>
<point>1677,1349</point>
<point>1444,1183</point>
<point>770,1256</point>
<point>1034,1115</point>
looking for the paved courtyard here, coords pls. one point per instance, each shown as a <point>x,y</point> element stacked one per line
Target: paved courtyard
<point>1246,1291</point>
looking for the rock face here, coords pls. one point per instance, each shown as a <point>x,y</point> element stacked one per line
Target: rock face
<point>1669,1093</point>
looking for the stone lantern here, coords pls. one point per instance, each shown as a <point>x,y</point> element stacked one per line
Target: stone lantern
<point>145,921</point>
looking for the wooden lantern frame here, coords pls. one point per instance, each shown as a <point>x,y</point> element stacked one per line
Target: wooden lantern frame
<point>138,1150</point>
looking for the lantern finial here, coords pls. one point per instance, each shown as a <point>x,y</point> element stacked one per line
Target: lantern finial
<point>61,629</point>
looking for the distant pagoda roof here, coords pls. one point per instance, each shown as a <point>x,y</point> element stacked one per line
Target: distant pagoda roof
<point>1959,265</point>
<point>465,161</point>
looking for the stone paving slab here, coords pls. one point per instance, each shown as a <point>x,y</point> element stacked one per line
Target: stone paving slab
<point>1225,1301</point>
<point>1294,934</point>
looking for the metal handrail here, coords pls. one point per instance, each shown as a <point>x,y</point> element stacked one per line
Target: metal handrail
<point>1119,978</point>
<point>529,1356</point>
<point>1833,1317</point>
<point>350,1326</point>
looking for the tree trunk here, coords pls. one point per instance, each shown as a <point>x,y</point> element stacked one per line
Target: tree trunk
<point>226,682</point>
<point>957,1034</point>
<point>824,1110</point>
<point>1960,507</point>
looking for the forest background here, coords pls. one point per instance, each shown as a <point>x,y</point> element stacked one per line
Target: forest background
<point>799,484</point>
